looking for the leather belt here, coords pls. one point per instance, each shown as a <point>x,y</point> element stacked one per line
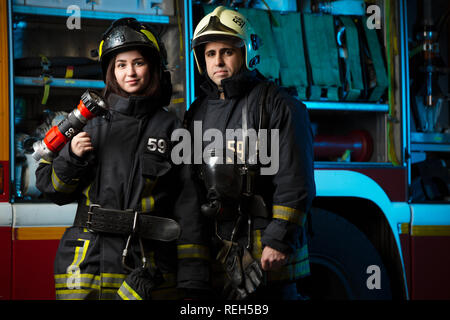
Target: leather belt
<point>126,222</point>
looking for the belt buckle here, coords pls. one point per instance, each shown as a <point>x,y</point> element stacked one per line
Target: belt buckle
<point>89,217</point>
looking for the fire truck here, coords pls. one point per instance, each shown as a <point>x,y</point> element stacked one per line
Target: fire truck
<point>373,75</point>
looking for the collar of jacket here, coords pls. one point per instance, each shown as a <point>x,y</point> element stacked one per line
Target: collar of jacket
<point>133,105</point>
<point>233,87</point>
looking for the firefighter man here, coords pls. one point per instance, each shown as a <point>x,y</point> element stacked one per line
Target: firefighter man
<point>257,220</point>
<point>132,200</point>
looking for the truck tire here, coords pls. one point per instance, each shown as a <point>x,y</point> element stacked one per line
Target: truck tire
<point>344,263</point>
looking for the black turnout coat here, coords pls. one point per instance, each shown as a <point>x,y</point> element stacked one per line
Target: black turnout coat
<point>129,168</point>
<point>289,192</point>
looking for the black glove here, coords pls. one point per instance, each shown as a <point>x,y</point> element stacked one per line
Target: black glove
<point>243,272</point>
<point>142,281</point>
<point>253,274</point>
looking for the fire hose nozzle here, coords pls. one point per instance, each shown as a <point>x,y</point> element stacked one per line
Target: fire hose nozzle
<point>91,105</point>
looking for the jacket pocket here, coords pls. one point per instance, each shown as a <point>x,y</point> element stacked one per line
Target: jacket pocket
<point>153,165</point>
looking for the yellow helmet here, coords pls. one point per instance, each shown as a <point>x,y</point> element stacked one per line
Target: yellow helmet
<point>224,24</point>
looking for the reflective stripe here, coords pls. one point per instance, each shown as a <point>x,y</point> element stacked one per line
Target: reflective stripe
<point>86,194</point>
<point>147,201</point>
<point>61,277</point>
<point>114,275</point>
<point>102,286</point>
<point>112,280</point>
<point>186,251</point>
<point>85,281</point>
<point>61,186</point>
<point>148,204</point>
<point>45,161</point>
<point>73,280</point>
<point>78,294</point>
<point>80,252</point>
<point>289,214</point>
<point>127,293</point>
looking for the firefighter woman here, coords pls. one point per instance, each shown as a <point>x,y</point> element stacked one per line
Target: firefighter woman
<point>257,219</point>
<point>136,232</point>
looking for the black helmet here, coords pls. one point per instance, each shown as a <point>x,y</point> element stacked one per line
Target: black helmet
<point>128,34</point>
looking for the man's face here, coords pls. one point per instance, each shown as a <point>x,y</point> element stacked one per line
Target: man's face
<point>223,60</point>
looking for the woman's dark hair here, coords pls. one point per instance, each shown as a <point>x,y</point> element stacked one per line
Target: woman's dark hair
<point>154,86</point>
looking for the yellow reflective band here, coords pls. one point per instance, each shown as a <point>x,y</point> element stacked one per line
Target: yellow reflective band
<point>80,250</point>
<point>61,186</point>
<point>106,286</point>
<point>111,284</point>
<point>289,214</point>
<point>122,295</point>
<point>112,280</point>
<point>70,291</point>
<point>45,161</point>
<point>109,291</point>
<point>61,278</point>
<point>148,201</point>
<point>100,47</point>
<point>151,37</point>
<point>127,293</point>
<point>148,204</point>
<point>82,275</point>
<point>73,294</point>
<point>80,284</point>
<point>86,194</point>
<point>186,251</point>
<point>114,275</point>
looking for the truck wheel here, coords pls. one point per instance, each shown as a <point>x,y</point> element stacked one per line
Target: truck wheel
<point>344,263</point>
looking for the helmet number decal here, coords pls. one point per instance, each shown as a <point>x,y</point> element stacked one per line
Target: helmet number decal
<point>239,21</point>
<point>119,39</point>
<point>157,145</point>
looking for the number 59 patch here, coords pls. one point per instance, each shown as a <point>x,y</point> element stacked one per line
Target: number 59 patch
<point>157,145</point>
